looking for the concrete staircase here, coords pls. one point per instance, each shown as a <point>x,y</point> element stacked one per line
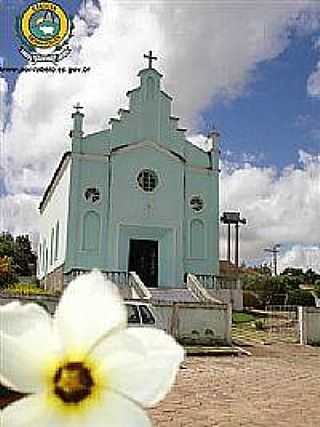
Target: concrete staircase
<point>164,295</point>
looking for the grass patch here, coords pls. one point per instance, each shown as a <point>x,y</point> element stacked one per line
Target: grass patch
<point>24,289</point>
<point>239,317</point>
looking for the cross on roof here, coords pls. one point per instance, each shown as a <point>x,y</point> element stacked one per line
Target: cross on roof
<point>150,58</point>
<point>78,107</point>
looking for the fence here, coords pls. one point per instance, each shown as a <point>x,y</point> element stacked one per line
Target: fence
<point>282,323</point>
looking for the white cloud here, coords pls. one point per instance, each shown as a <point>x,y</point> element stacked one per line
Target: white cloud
<point>200,141</point>
<point>19,215</point>
<point>280,206</point>
<point>313,84</point>
<point>203,58</point>
<point>3,112</point>
<point>301,257</point>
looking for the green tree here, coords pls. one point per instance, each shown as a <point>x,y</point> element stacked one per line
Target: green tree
<point>311,276</point>
<point>19,250</point>
<point>7,272</point>
<point>263,269</point>
<point>23,256</point>
<point>6,245</point>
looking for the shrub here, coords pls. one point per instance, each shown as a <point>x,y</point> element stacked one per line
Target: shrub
<point>20,289</point>
<point>251,300</point>
<point>259,324</point>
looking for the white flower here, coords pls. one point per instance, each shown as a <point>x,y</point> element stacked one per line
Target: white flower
<point>84,367</point>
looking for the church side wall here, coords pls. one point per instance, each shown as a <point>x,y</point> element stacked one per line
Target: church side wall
<point>53,227</point>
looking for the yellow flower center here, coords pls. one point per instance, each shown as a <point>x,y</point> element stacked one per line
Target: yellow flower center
<point>73,382</point>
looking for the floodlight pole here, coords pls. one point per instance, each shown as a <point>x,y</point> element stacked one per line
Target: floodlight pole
<point>236,256</point>
<point>274,251</point>
<point>233,218</point>
<point>229,242</point>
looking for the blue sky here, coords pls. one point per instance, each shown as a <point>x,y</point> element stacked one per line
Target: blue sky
<point>268,121</point>
<point>275,117</point>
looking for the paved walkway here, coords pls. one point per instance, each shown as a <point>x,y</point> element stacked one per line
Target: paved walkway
<point>278,386</point>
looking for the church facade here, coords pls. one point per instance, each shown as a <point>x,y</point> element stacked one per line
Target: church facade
<point>137,196</point>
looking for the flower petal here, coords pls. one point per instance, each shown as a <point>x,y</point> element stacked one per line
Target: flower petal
<point>24,359</point>
<point>17,318</point>
<point>112,411</point>
<point>115,411</point>
<point>89,308</point>
<point>29,411</point>
<point>140,363</point>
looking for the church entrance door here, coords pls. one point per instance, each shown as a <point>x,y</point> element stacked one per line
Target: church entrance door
<point>143,259</point>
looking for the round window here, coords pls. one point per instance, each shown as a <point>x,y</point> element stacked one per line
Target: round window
<point>197,203</point>
<point>92,195</point>
<point>148,180</point>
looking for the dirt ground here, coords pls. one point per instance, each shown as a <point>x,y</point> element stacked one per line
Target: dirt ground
<point>279,385</point>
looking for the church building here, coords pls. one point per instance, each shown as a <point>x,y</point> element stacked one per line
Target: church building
<point>136,197</point>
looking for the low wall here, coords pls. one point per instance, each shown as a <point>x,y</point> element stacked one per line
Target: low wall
<point>309,321</point>
<point>197,323</point>
<point>189,323</point>
<point>49,303</point>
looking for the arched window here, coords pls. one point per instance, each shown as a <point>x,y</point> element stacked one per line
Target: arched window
<point>52,246</point>
<point>91,231</point>
<point>56,255</point>
<point>40,258</point>
<point>43,256</point>
<point>197,239</point>
<point>46,260</point>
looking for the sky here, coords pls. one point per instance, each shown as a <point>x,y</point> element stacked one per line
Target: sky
<point>249,68</point>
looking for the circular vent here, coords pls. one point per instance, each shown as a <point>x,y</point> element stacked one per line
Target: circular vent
<point>92,195</point>
<point>197,203</point>
<point>147,180</point>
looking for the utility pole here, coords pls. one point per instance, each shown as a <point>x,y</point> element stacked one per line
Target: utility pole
<point>274,251</point>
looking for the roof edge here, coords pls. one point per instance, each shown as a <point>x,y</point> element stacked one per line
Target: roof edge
<point>65,157</point>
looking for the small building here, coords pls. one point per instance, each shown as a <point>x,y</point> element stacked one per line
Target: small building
<point>136,197</point>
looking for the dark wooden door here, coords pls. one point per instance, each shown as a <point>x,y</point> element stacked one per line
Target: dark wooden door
<point>143,259</point>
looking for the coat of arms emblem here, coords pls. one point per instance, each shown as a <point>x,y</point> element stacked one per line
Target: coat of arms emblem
<point>44,30</point>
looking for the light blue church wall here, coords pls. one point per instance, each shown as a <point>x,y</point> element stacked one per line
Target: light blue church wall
<point>88,171</point>
<point>107,208</point>
<point>156,216</point>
